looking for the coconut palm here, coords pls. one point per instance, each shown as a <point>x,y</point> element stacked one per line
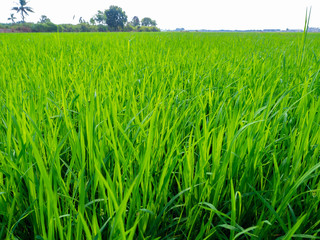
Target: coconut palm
<point>12,18</point>
<point>23,9</point>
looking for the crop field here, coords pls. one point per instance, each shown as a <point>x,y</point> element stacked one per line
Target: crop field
<point>160,136</point>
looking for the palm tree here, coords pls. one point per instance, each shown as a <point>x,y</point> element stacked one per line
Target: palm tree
<point>23,9</point>
<point>12,18</point>
<point>81,20</point>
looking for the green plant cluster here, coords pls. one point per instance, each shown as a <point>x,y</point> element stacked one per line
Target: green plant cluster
<point>81,27</point>
<point>160,136</point>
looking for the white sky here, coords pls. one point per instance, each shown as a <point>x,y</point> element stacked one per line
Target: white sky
<point>189,14</point>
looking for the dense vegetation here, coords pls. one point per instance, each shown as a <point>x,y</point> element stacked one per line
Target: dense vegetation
<point>113,19</point>
<point>81,27</point>
<point>159,136</point>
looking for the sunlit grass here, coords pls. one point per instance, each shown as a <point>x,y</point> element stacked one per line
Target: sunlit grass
<point>159,136</point>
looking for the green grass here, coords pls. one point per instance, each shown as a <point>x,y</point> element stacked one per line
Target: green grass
<point>160,136</point>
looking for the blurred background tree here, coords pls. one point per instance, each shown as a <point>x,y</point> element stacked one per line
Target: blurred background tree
<point>23,9</point>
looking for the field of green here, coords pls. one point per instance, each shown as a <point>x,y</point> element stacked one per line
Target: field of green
<point>160,136</point>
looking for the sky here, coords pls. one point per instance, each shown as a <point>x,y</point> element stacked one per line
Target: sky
<point>188,14</point>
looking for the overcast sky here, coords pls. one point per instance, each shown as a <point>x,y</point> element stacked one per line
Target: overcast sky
<point>189,14</point>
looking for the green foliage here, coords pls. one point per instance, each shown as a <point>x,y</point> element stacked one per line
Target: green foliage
<point>83,27</point>
<point>12,18</point>
<point>23,9</point>
<point>81,20</point>
<point>135,22</point>
<point>148,22</point>
<point>148,29</point>
<point>102,28</point>
<point>100,18</point>
<point>44,27</point>
<point>5,25</point>
<point>68,28</point>
<point>92,21</point>
<point>129,28</point>
<point>44,19</point>
<point>22,27</point>
<point>159,136</point>
<point>115,18</point>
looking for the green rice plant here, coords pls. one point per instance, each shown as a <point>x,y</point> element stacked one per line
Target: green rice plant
<point>160,136</point>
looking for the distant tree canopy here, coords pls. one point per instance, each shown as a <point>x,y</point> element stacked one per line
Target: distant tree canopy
<point>148,22</point>
<point>82,27</point>
<point>112,19</point>
<point>44,19</point>
<point>23,9</point>
<point>100,18</point>
<point>92,21</point>
<point>81,20</point>
<point>12,18</point>
<point>135,21</point>
<point>115,18</point>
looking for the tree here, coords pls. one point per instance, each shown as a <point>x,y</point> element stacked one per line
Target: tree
<point>12,18</point>
<point>100,18</point>
<point>115,18</point>
<point>148,22</point>
<point>23,9</point>
<point>44,19</point>
<point>135,21</point>
<point>92,21</point>
<point>81,20</point>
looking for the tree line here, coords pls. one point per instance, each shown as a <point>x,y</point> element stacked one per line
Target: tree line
<point>111,19</point>
<point>116,19</point>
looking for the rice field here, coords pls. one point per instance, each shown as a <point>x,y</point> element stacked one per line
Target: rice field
<point>160,136</point>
